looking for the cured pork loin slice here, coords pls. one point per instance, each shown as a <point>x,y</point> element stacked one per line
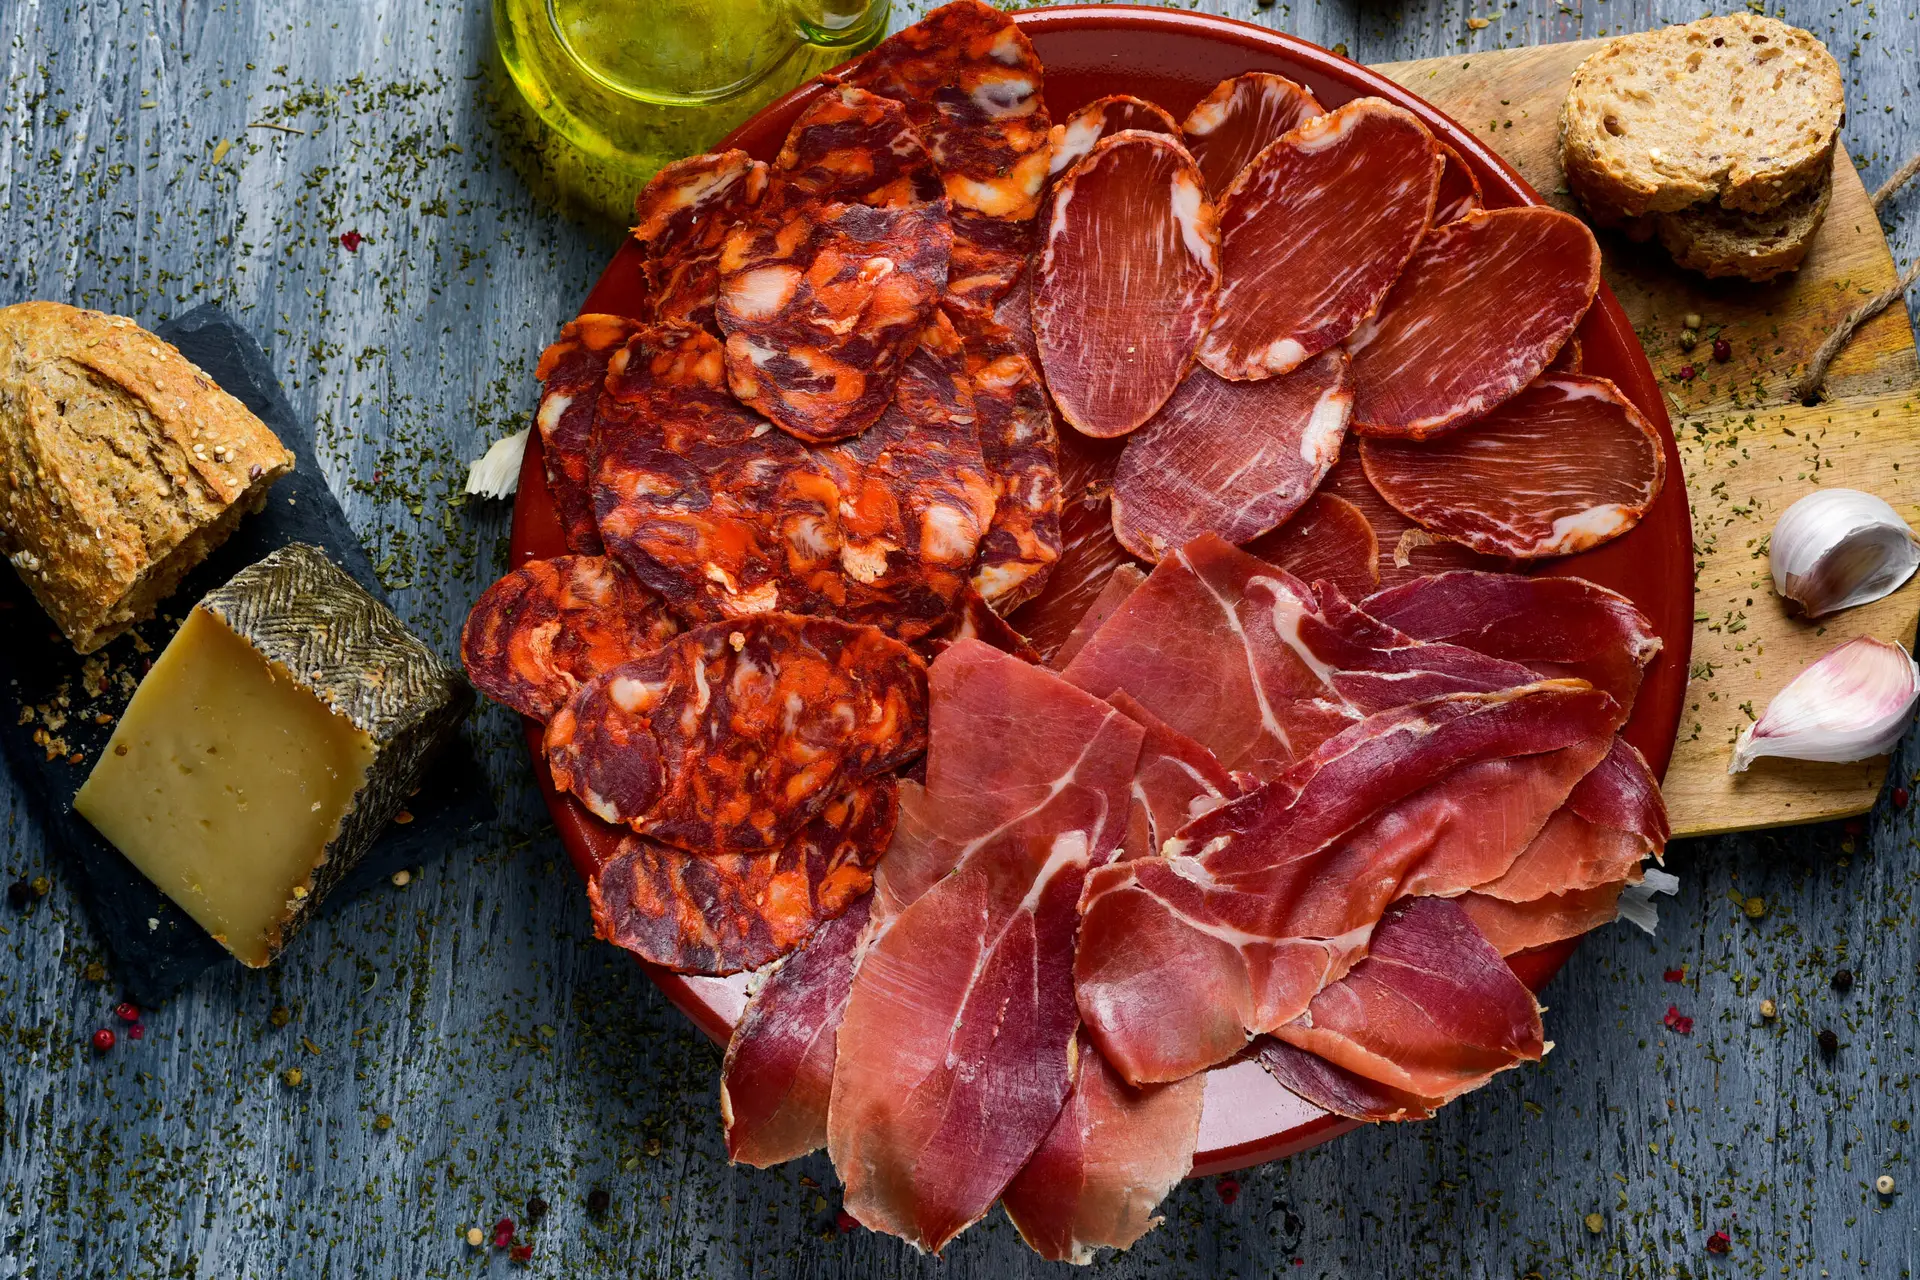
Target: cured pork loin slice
<point>1459,193</point>
<point>1564,466</point>
<point>1110,1159</point>
<point>1257,905</point>
<point>1230,458</point>
<point>571,372</point>
<point>826,286</point>
<point>1432,1011</point>
<point>1558,626</point>
<point>725,913</point>
<point>681,218</point>
<point>547,628</point>
<point>1405,550</point>
<point>1327,538</point>
<point>1234,123</point>
<point>1126,283</point>
<point>1115,113</point>
<point>778,1072</point>
<point>708,505</point>
<point>1336,1089</point>
<point>734,736</point>
<point>915,496</point>
<point>1483,305</point>
<point>1020,452</point>
<point>956,1051</point>
<point>1314,232</point>
<point>973,87</point>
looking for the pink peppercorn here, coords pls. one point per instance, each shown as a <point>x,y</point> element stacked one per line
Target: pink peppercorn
<point>127,1011</point>
<point>1688,373</point>
<point>1722,350</point>
<point>103,1040</point>
<point>1718,1242</point>
<point>1228,1189</point>
<point>351,241</point>
<point>1900,797</point>
<point>503,1233</point>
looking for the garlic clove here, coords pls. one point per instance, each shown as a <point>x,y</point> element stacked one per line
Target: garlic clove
<point>496,473</point>
<point>1852,704</point>
<point>1636,900</point>
<point>1837,548</point>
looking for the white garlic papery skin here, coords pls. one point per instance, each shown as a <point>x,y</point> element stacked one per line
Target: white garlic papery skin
<point>1852,704</point>
<point>1836,548</point>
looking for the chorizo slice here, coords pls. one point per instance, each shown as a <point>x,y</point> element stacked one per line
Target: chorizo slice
<point>1482,307</point>
<point>973,86</point>
<point>1314,232</point>
<point>1234,123</point>
<point>1126,282</point>
<point>1020,451</point>
<point>1230,458</point>
<point>700,497</point>
<point>547,628</point>
<point>1115,113</point>
<point>1328,539</point>
<point>821,301</point>
<point>1564,466</point>
<point>915,498</point>
<point>571,371</point>
<point>1459,188</point>
<point>733,736</point>
<point>851,145</point>
<point>730,912</point>
<point>682,217</point>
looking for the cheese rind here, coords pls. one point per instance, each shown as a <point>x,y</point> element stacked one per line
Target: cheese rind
<point>272,741</point>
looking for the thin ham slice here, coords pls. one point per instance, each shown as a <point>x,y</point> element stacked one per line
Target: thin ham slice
<point>1103,117</point>
<point>1126,281</point>
<point>1259,904</point>
<point>1336,1089</point>
<point>1121,583</point>
<point>1433,1010</point>
<point>1314,232</point>
<point>1234,123</point>
<point>1484,304</point>
<point>1564,466</point>
<point>1175,781</point>
<point>1459,193</point>
<point>1230,458</point>
<point>1513,927</point>
<point>1110,1159</point>
<point>1327,538</point>
<point>956,1051</point>
<point>1610,824</point>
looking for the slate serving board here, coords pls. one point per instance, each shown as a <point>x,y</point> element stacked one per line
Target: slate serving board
<point>59,708</point>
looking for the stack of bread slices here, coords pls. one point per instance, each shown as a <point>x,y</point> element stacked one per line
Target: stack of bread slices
<point>1717,137</point>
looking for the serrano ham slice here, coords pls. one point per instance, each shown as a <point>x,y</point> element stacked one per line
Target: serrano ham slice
<point>1433,1010</point>
<point>1121,583</point>
<point>1115,113</point>
<point>778,1073</point>
<point>1513,927</point>
<point>1234,123</point>
<point>1230,458</point>
<point>1610,824</point>
<point>1314,232</point>
<point>1126,282</point>
<point>956,1052</point>
<point>973,87</point>
<point>1564,466</point>
<point>1109,1160</point>
<point>1459,193</point>
<point>1483,305</point>
<point>735,735</point>
<point>1328,538</point>
<point>1175,781</point>
<point>547,628</point>
<point>700,498</point>
<point>1336,1089</point>
<point>1257,905</point>
<point>724,913</point>
<point>681,218</point>
<point>571,372</point>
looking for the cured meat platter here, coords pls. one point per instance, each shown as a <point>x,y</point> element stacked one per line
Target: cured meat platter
<point>1174,60</point>
<point>1749,447</point>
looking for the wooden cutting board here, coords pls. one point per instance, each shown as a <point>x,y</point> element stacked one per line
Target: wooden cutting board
<point>1749,447</point>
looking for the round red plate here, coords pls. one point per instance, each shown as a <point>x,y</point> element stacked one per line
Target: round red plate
<point>1174,59</point>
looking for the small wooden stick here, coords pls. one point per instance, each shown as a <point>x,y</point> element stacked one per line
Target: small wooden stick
<point>1808,388</point>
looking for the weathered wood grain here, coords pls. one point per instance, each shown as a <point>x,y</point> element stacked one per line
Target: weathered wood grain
<point>1749,447</point>
<point>515,1055</point>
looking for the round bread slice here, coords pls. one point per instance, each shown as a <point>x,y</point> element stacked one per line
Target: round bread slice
<point>1717,241</point>
<point>1743,109</point>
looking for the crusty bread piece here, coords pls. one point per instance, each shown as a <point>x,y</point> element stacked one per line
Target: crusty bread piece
<point>1717,241</point>
<point>121,465</point>
<point>1741,109</point>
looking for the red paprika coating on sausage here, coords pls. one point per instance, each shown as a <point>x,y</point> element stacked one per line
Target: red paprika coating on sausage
<point>682,217</point>
<point>572,370</point>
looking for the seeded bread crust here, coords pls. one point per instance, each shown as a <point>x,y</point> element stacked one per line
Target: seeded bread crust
<point>121,465</point>
<point>1720,242</point>
<point>1741,109</point>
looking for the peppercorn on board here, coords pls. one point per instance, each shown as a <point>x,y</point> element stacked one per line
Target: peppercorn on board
<point>1750,449</point>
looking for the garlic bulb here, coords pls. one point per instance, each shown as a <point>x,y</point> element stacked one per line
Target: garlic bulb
<point>1836,548</point>
<point>1852,704</point>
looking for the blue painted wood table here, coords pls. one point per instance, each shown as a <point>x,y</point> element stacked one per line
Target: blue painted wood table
<point>464,1044</point>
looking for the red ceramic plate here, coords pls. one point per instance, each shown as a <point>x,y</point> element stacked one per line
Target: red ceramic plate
<point>1174,59</point>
